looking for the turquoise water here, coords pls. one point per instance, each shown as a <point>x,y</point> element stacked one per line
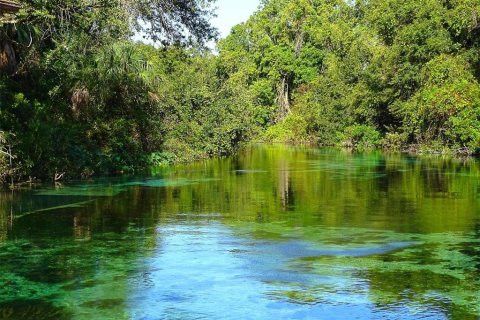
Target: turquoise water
<point>275,232</point>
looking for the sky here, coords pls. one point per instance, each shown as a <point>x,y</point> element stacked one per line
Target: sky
<point>229,14</point>
<point>233,12</point>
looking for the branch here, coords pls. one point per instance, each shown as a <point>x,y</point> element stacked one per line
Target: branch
<point>7,154</point>
<point>59,176</point>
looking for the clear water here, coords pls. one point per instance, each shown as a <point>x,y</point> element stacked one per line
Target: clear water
<point>274,233</point>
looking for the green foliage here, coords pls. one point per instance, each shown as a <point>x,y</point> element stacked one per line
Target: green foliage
<point>157,159</point>
<point>360,136</point>
<point>81,97</point>
<point>291,130</point>
<point>394,141</point>
<point>410,69</point>
<point>447,108</point>
<point>5,154</point>
<point>85,99</point>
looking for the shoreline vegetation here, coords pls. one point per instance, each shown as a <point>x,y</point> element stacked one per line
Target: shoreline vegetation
<point>412,150</point>
<point>80,98</point>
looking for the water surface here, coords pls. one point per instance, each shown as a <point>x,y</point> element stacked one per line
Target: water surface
<point>275,232</point>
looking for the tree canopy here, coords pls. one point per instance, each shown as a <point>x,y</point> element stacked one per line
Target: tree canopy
<point>78,95</point>
<point>352,72</point>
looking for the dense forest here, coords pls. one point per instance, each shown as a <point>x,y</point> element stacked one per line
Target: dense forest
<point>79,97</point>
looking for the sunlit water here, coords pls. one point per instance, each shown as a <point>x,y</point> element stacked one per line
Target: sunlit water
<point>273,233</point>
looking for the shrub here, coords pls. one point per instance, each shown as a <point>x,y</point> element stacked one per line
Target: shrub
<point>447,108</point>
<point>360,136</point>
<point>394,141</point>
<point>291,130</point>
<point>157,159</point>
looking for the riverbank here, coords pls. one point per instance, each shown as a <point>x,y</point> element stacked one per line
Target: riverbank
<point>169,159</point>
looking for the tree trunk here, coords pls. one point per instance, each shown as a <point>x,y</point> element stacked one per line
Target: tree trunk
<point>299,43</point>
<point>285,86</point>
<point>283,97</point>
<point>8,59</point>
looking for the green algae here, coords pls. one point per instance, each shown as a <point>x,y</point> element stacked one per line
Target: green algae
<point>32,309</point>
<point>78,278</point>
<point>430,269</point>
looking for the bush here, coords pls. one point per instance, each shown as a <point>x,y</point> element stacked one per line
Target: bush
<point>292,130</point>
<point>447,108</point>
<point>157,159</point>
<point>394,141</point>
<point>360,137</point>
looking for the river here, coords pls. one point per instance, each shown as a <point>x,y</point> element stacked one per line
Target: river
<point>275,232</point>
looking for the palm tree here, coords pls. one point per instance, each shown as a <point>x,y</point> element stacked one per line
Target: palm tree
<point>8,7</point>
<point>8,59</point>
